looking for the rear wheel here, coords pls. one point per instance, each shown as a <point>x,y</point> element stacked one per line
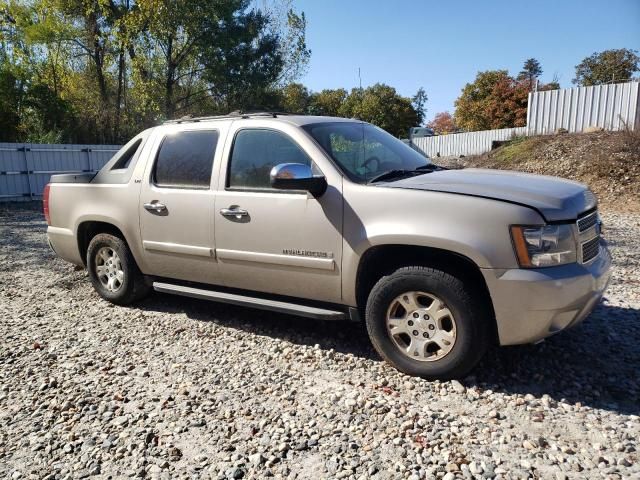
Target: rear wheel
<point>113,270</point>
<point>426,322</point>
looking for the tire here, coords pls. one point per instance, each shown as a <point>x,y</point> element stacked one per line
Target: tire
<point>442,338</point>
<point>120,281</point>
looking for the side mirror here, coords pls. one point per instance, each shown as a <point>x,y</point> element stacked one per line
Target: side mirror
<point>296,176</point>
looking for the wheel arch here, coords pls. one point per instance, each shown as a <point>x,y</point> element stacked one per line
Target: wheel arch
<point>381,260</point>
<point>90,228</point>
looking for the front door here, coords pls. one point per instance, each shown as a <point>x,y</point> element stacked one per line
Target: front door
<point>176,206</point>
<point>267,240</point>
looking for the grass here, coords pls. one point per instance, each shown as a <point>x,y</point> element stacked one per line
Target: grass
<point>518,148</point>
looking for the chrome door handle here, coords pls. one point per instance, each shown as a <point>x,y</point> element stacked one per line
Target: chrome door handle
<point>234,212</point>
<point>155,207</point>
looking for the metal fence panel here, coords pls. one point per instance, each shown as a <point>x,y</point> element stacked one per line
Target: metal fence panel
<point>26,168</point>
<point>611,107</point>
<point>471,143</point>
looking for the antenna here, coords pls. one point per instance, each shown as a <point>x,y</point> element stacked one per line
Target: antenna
<point>359,78</point>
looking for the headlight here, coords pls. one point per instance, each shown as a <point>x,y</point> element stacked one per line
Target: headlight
<point>544,246</point>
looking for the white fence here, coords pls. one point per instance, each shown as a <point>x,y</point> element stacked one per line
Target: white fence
<point>611,107</point>
<point>472,143</point>
<point>25,168</point>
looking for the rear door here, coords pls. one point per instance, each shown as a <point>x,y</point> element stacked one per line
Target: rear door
<point>176,203</point>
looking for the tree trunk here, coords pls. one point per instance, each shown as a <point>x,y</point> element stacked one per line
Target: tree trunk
<point>121,67</point>
<point>98,55</point>
<point>170,80</point>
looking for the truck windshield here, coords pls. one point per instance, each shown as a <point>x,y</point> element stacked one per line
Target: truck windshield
<point>364,152</point>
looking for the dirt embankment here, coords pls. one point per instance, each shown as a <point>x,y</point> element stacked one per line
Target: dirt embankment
<point>608,162</point>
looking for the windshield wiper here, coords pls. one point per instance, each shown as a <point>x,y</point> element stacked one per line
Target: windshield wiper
<point>431,166</point>
<point>397,173</point>
<point>389,174</point>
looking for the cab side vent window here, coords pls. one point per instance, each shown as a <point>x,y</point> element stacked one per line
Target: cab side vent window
<point>125,160</point>
<point>185,159</point>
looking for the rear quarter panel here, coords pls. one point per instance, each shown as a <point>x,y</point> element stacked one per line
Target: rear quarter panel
<point>71,204</point>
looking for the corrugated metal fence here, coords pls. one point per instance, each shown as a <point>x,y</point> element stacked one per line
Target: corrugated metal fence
<point>25,168</point>
<point>472,143</point>
<point>611,107</point>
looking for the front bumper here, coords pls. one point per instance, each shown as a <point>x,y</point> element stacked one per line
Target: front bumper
<point>531,304</point>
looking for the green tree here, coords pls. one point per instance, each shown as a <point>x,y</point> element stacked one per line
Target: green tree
<point>531,71</point>
<point>419,102</point>
<point>290,26</point>
<point>202,51</point>
<point>607,67</point>
<point>381,105</point>
<point>295,98</point>
<point>31,75</point>
<point>10,97</point>
<point>101,70</point>
<point>327,102</point>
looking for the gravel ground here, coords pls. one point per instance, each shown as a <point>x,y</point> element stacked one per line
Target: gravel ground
<point>178,388</point>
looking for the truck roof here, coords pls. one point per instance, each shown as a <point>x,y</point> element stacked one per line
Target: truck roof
<point>293,119</point>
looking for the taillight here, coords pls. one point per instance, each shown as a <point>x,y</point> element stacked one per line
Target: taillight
<point>45,204</point>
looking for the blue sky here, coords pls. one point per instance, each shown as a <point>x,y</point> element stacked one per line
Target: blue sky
<point>441,45</point>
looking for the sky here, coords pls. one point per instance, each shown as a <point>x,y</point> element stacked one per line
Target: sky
<point>441,45</point>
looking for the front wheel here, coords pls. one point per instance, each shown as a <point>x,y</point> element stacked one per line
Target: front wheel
<point>113,270</point>
<point>427,323</point>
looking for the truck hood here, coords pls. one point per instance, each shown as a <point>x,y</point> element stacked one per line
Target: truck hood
<point>555,198</point>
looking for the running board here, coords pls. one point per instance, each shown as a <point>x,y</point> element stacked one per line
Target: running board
<point>252,302</point>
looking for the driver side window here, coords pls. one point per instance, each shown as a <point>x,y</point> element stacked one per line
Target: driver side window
<point>255,152</point>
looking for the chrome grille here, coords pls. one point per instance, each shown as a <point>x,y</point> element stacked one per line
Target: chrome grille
<point>590,249</point>
<point>588,221</point>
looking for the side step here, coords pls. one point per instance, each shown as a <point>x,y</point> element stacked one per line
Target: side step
<point>252,302</point>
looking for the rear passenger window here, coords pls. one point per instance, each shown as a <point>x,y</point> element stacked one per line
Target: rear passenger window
<point>256,152</point>
<point>185,159</point>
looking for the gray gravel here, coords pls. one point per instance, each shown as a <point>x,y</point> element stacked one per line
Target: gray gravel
<point>182,388</point>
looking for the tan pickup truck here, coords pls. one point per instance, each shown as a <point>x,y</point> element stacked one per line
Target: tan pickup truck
<point>336,219</point>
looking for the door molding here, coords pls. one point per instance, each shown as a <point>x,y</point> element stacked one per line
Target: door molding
<point>179,248</point>
<point>276,259</point>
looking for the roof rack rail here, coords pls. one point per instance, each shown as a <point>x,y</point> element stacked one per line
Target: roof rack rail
<point>234,114</point>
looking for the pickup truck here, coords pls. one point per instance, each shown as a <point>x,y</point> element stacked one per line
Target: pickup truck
<point>336,219</point>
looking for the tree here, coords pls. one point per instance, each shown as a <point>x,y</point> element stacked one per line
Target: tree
<point>607,67</point>
<point>419,102</point>
<point>531,71</point>
<point>554,84</point>
<point>295,98</point>
<point>290,27</point>
<point>493,100</point>
<point>208,50</point>
<point>10,97</point>
<point>381,105</point>
<point>101,70</point>
<point>507,105</point>
<point>443,123</point>
<point>327,102</point>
